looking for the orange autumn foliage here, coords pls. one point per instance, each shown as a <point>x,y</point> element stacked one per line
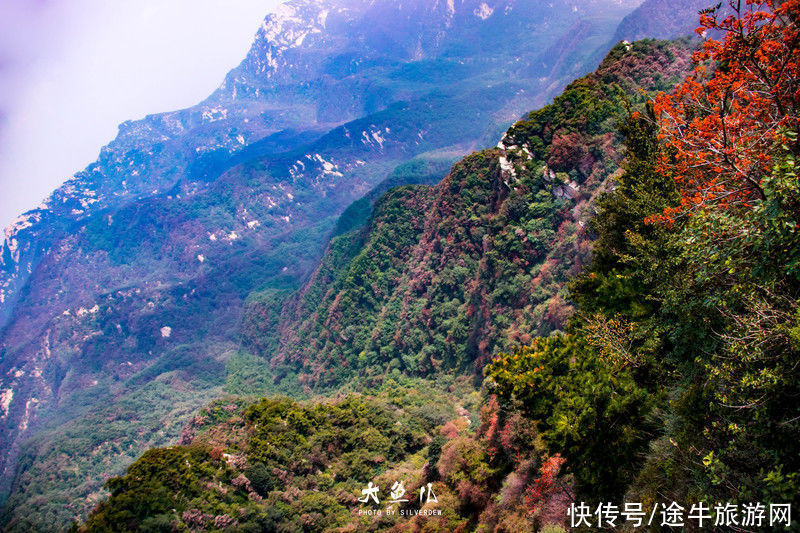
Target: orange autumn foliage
<point>546,484</point>
<point>721,125</point>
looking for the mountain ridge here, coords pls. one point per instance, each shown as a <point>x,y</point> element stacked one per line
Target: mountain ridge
<point>393,328</point>
<point>137,285</point>
<point>465,242</point>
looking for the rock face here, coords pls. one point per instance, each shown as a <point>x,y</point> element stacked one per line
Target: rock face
<point>120,295</point>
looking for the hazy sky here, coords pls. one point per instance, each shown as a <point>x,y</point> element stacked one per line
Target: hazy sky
<point>72,70</point>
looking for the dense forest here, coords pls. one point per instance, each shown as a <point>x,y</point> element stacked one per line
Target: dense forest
<point>604,308</point>
<point>440,278</point>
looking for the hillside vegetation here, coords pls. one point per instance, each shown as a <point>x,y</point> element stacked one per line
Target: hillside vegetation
<point>670,374</point>
<point>121,294</point>
<point>440,278</point>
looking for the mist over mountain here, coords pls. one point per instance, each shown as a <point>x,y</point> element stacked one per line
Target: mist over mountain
<point>658,19</point>
<point>121,296</point>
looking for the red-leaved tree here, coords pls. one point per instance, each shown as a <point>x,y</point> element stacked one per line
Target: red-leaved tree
<point>722,124</point>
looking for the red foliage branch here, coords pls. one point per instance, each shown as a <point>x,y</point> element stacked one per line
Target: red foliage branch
<point>545,485</point>
<point>721,125</point>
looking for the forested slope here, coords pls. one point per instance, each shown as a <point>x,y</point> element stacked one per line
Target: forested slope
<point>441,278</point>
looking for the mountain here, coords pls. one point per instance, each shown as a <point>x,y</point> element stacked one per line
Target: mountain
<point>409,302</point>
<point>660,20</point>
<point>121,295</point>
<point>675,379</point>
<point>440,278</point>
<point>314,65</point>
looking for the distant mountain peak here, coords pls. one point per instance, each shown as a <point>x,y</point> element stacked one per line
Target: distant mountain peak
<point>660,19</point>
